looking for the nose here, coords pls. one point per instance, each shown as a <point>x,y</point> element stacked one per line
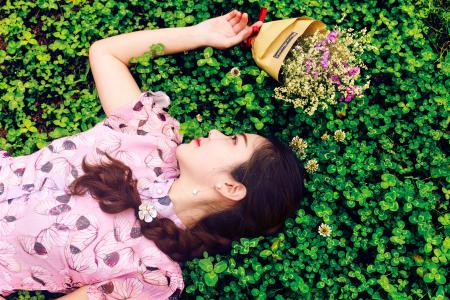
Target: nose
<point>214,132</point>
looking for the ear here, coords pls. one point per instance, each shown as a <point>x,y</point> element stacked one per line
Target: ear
<point>233,190</point>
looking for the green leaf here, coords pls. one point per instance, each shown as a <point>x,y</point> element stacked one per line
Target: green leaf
<point>428,278</point>
<point>259,126</point>
<point>247,87</point>
<point>208,51</point>
<point>201,62</point>
<point>160,61</point>
<point>225,81</point>
<point>259,79</point>
<point>57,133</point>
<point>446,243</point>
<point>157,49</point>
<point>265,253</point>
<point>232,263</point>
<point>384,185</point>
<point>440,279</point>
<point>206,265</point>
<point>211,278</point>
<point>220,267</point>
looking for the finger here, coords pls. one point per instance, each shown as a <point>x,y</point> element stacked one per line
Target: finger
<point>242,35</point>
<point>255,27</point>
<point>236,19</point>
<point>230,15</point>
<point>241,24</point>
<point>257,24</point>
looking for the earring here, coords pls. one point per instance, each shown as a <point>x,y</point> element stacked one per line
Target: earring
<point>219,185</point>
<point>194,192</point>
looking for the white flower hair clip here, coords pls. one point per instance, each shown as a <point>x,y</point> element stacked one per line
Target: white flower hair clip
<point>147,212</point>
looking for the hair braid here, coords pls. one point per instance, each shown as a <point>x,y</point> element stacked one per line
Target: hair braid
<point>182,243</point>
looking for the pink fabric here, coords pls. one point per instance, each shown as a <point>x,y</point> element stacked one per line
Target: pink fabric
<point>53,241</point>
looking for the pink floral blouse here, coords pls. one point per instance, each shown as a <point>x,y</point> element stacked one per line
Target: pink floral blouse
<point>53,241</point>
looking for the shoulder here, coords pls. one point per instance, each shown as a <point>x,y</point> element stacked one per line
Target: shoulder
<point>147,114</point>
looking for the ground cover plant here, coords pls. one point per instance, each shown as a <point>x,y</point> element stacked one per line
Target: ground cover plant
<point>374,222</point>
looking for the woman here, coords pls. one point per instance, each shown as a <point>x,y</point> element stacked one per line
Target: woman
<point>110,213</point>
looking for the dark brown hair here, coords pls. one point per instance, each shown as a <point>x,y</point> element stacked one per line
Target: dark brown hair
<point>273,178</point>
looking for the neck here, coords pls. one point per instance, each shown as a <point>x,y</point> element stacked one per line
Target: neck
<point>188,207</point>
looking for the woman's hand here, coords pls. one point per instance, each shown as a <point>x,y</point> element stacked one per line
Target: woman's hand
<point>225,31</point>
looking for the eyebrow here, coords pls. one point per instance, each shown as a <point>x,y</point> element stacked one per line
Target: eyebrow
<point>245,138</point>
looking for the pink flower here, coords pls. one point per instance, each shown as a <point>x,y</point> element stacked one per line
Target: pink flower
<point>324,60</point>
<point>308,66</point>
<point>336,79</point>
<point>315,75</point>
<point>353,71</point>
<point>332,36</point>
<point>349,97</point>
<point>329,39</point>
<point>321,44</point>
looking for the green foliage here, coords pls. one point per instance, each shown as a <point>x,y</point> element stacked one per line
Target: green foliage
<point>384,190</point>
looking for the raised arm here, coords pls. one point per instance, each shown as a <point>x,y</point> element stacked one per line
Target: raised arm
<point>109,60</point>
<point>109,57</point>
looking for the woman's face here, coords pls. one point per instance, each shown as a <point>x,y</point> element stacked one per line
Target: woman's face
<point>216,153</point>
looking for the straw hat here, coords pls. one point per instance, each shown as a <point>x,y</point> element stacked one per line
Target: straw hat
<point>274,40</point>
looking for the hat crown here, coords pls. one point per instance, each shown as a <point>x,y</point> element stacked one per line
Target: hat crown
<point>275,39</point>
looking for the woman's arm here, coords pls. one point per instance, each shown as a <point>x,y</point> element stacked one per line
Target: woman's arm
<point>133,44</point>
<point>109,59</point>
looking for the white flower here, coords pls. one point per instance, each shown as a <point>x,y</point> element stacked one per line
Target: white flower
<point>235,71</point>
<point>324,230</point>
<point>147,211</point>
<point>298,143</point>
<point>339,135</point>
<point>312,166</point>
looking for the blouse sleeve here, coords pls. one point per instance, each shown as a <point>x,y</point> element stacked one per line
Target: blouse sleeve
<point>154,286</point>
<point>145,115</point>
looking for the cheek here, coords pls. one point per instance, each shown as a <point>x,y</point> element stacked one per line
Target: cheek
<point>190,154</point>
<point>206,161</point>
<point>223,158</point>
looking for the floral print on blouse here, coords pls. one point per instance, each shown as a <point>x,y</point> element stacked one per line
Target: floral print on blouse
<point>50,240</point>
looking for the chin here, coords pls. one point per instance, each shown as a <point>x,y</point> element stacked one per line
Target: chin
<point>180,150</point>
